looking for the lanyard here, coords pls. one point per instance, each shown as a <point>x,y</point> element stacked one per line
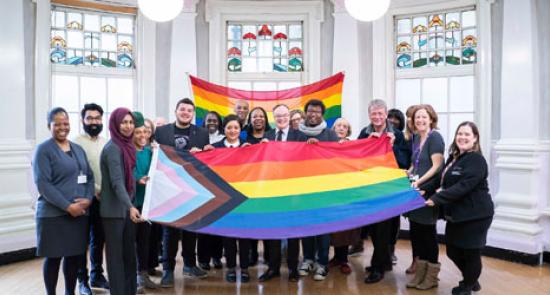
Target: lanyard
<point>445,171</point>
<point>417,150</point>
<point>75,157</point>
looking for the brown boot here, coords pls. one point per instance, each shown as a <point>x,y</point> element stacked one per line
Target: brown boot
<point>420,274</point>
<point>431,280</point>
<point>412,268</point>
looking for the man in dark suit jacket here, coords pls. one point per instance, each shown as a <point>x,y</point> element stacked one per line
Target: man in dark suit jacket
<point>183,136</point>
<point>282,132</point>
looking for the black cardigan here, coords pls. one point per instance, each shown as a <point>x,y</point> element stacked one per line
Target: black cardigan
<point>465,192</point>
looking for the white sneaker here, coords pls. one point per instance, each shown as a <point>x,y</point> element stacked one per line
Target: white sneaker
<point>320,272</point>
<point>305,268</point>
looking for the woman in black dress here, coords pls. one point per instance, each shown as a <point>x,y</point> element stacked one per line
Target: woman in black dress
<point>467,205</point>
<point>66,187</point>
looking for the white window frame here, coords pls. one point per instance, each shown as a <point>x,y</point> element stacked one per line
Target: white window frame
<point>310,13</point>
<point>385,73</point>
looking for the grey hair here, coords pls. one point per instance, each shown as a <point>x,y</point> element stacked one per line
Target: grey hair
<point>378,103</point>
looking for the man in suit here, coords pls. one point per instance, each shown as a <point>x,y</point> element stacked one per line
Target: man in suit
<point>183,136</point>
<point>282,132</point>
<point>381,232</point>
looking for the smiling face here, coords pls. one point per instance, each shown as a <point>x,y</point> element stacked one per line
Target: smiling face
<point>184,114</point>
<point>465,139</point>
<point>422,121</point>
<point>258,119</point>
<point>314,115</point>
<point>296,120</point>
<point>126,127</point>
<point>212,123</point>
<point>282,117</point>
<point>241,110</point>
<point>342,129</point>
<point>378,116</point>
<point>140,137</point>
<point>60,127</point>
<point>148,130</point>
<point>232,131</point>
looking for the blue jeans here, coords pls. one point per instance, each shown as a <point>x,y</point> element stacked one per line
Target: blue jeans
<point>316,248</point>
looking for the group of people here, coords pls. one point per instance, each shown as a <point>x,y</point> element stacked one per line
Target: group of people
<point>92,190</point>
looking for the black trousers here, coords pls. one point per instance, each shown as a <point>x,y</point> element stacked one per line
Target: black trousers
<point>468,261</point>
<point>209,247</point>
<point>424,241</point>
<point>273,249</point>
<point>230,249</point>
<point>143,231</point>
<point>341,254</point>
<point>170,239</point>
<point>381,236</point>
<point>50,271</point>
<point>96,243</point>
<point>120,245</point>
<point>395,227</point>
<point>155,245</point>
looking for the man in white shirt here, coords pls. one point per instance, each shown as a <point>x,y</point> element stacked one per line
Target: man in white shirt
<point>93,143</point>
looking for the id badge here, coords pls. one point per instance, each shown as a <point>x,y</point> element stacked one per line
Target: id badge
<point>82,179</point>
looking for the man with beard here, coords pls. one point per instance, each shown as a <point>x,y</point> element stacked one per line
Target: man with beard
<point>92,143</point>
<point>183,136</point>
<point>316,248</point>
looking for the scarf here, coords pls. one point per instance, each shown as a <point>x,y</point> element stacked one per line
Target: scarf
<point>126,146</point>
<point>313,130</point>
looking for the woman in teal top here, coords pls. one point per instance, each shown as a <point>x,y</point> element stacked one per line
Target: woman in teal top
<point>143,230</point>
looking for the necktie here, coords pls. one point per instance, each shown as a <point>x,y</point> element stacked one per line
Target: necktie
<point>279,135</point>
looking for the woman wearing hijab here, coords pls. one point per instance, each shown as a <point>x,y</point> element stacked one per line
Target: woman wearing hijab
<point>117,163</point>
<point>66,186</point>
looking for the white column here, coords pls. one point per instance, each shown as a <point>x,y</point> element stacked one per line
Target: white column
<point>16,216</point>
<point>521,159</point>
<point>346,57</point>
<point>146,69</point>
<point>183,55</point>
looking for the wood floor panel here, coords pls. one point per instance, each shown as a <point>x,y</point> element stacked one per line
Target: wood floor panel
<point>498,277</point>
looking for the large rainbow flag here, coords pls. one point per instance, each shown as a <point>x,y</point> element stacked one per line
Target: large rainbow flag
<point>212,97</point>
<point>278,190</point>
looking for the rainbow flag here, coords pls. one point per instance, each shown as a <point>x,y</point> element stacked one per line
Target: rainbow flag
<point>278,190</point>
<point>212,97</point>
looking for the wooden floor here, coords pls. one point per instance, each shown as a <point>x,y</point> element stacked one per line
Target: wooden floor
<point>498,277</point>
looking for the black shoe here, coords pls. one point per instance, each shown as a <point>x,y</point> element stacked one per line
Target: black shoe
<point>84,288</point>
<point>231,276</point>
<point>374,277</point>
<point>100,282</point>
<point>268,275</point>
<point>204,266</point>
<point>245,276</point>
<point>293,275</point>
<point>386,268</point>
<point>456,290</point>
<point>217,263</point>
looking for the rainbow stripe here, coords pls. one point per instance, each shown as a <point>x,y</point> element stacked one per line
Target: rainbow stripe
<point>279,189</point>
<point>212,97</point>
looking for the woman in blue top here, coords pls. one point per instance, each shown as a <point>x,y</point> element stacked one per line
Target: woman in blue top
<point>66,186</point>
<point>232,130</point>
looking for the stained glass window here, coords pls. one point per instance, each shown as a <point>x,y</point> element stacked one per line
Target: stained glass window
<point>436,39</point>
<point>83,38</point>
<point>264,47</point>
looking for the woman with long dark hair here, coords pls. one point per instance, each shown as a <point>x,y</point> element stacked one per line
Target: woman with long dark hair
<point>467,205</point>
<point>257,125</point>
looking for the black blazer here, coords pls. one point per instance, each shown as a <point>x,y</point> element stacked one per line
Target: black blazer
<point>198,137</point>
<point>221,144</point>
<point>465,194</point>
<point>293,135</point>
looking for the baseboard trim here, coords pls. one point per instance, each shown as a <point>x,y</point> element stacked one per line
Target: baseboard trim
<point>499,253</point>
<point>17,256</point>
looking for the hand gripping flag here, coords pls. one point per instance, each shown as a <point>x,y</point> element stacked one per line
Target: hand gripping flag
<point>278,190</point>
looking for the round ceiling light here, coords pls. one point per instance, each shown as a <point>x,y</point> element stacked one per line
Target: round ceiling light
<point>160,11</point>
<point>367,10</point>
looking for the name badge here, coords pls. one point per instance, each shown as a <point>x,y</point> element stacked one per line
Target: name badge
<point>82,179</point>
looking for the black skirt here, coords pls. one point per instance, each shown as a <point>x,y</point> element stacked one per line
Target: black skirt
<point>61,236</point>
<point>469,234</point>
